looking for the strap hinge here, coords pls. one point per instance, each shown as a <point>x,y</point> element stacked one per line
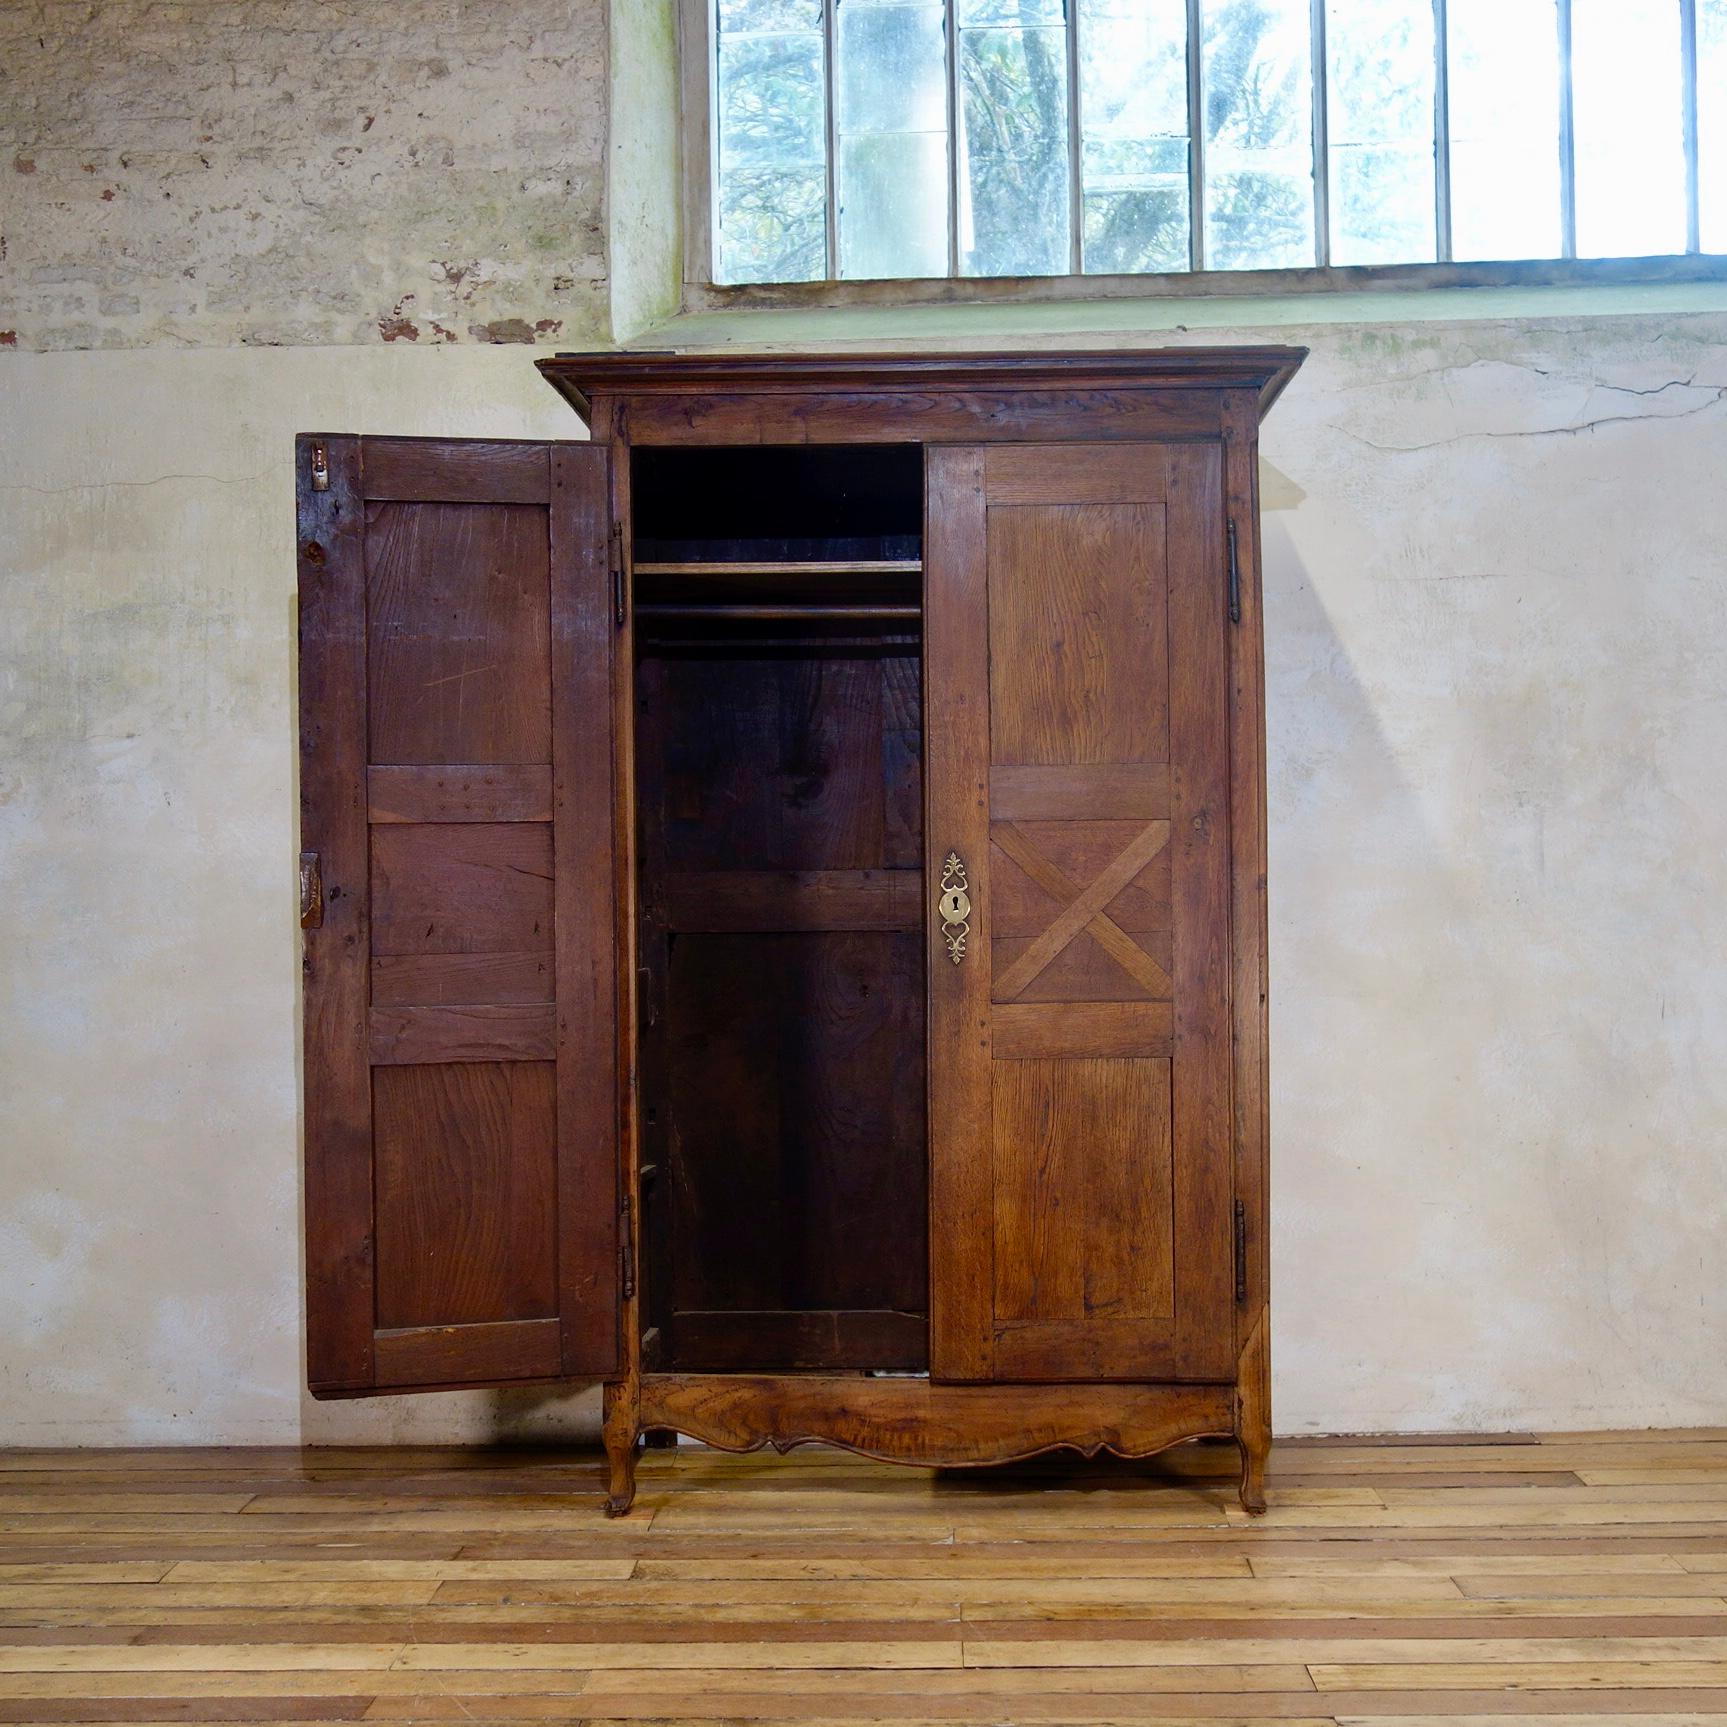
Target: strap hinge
<point>619,598</point>
<point>1234,577</point>
<point>626,1251</point>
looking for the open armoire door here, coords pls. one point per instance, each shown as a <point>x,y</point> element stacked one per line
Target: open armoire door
<point>459,906</point>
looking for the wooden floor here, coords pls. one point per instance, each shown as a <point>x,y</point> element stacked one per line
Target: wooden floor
<point>1566,1578</point>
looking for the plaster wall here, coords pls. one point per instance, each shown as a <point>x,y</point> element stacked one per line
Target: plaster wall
<point>1497,686</point>
<point>1498,714</point>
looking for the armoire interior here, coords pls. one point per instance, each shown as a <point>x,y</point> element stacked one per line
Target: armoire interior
<point>776,593</point>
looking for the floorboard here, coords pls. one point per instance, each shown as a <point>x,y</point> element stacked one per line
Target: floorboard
<point>1526,1579</point>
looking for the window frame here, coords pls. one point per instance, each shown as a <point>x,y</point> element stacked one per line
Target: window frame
<point>698,74</point>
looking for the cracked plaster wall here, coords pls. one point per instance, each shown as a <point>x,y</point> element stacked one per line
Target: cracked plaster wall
<point>1498,717</point>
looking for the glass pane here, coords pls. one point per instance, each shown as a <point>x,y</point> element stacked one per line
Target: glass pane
<point>1712,122</point>
<point>1018,12</point>
<point>1258,134</point>
<point>739,15</point>
<point>1133,115</point>
<point>1379,126</point>
<point>770,143</point>
<point>1013,217</point>
<point>1504,102</point>
<point>1627,121</point>
<point>892,124</point>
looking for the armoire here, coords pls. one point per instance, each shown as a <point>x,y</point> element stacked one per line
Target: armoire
<point>783,904</point>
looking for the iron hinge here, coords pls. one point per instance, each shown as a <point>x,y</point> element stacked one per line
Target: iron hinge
<point>618,597</point>
<point>320,468</point>
<point>1234,578</point>
<point>1240,1250</point>
<point>626,1251</point>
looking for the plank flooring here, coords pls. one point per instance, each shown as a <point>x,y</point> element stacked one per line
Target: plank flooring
<point>1531,1580</point>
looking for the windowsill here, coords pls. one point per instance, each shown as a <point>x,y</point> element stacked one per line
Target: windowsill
<point>806,312</point>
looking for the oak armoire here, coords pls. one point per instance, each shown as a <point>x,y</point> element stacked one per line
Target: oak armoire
<point>783,892</point>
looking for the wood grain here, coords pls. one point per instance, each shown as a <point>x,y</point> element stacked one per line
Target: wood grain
<point>489,1031</point>
<point>440,1584</point>
<point>497,793</point>
<point>457,1119</point>
<point>466,1176</point>
<point>956,705</point>
<point>337,1096</point>
<point>456,639</point>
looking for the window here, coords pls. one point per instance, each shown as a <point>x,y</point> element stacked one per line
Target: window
<point>877,139</point>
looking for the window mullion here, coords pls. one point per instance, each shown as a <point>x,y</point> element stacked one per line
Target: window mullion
<point>1567,140</point>
<point>1688,72</point>
<point>1321,143</point>
<point>830,37</point>
<point>1195,137</point>
<point>1441,132</point>
<point>1075,176</point>
<point>950,29</point>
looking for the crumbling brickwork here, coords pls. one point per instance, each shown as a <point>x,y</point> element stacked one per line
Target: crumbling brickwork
<point>213,172</point>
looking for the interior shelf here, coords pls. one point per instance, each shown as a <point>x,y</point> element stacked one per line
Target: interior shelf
<point>778,614</point>
<point>726,569</point>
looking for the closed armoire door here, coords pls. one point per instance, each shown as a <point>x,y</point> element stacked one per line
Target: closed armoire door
<point>1079,958</point>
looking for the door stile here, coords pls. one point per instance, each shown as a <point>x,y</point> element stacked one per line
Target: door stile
<point>338,1080</point>
<point>1248,829</point>
<point>956,820</point>
<point>590,1023</point>
<point>622,1393</point>
<point>1200,812</point>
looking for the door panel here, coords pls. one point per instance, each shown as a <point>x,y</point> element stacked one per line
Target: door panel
<point>1078,788</point>
<point>457,792</point>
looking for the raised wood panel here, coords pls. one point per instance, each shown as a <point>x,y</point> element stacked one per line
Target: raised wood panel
<point>460,794</point>
<point>458,623</point>
<point>461,888</point>
<point>466,1183</point>
<point>1082,1190</point>
<point>1109,864</point>
<point>1077,645</point>
<point>488,1032</point>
